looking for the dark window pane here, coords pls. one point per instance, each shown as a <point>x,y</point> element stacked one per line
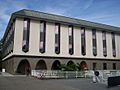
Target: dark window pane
<point>83,44</point>
<point>26,32</point>
<point>70,51</point>
<point>104,43</point>
<point>104,66</point>
<point>25,48</point>
<point>83,50</point>
<point>94,66</point>
<point>94,51</point>
<point>42,36</point>
<point>57,50</point>
<point>57,38</point>
<point>114,66</point>
<point>113,44</point>
<point>94,42</point>
<point>83,41</point>
<point>71,41</point>
<point>42,50</point>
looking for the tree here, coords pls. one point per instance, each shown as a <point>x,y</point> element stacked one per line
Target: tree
<point>79,67</point>
<point>71,67</point>
<point>63,67</point>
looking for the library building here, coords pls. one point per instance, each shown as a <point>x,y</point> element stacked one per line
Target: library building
<point>43,41</point>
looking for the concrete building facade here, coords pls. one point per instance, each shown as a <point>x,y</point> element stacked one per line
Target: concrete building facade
<point>0,56</point>
<point>44,41</point>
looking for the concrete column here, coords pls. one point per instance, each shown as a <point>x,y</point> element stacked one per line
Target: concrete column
<point>89,50</point>
<point>77,42</point>
<point>18,36</point>
<point>34,37</point>
<point>99,44</point>
<point>50,38</point>
<point>117,41</point>
<point>109,45</point>
<point>64,41</point>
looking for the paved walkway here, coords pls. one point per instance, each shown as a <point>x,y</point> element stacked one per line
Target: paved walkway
<point>5,74</point>
<point>30,83</point>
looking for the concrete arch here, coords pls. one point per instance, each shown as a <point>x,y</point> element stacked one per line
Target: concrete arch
<point>55,65</point>
<point>23,65</point>
<point>41,65</point>
<point>70,63</point>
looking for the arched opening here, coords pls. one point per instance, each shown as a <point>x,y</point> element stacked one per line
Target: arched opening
<point>55,65</point>
<point>23,66</point>
<point>41,65</point>
<point>83,65</point>
<point>70,63</point>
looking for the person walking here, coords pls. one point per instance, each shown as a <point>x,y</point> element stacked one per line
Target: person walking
<point>28,71</point>
<point>96,77</point>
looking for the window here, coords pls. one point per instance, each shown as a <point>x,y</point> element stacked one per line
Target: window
<point>83,44</point>
<point>42,36</point>
<point>113,44</point>
<point>12,41</point>
<point>104,66</point>
<point>26,31</point>
<point>94,66</point>
<point>57,38</point>
<point>94,42</point>
<point>71,42</point>
<point>114,66</point>
<point>104,43</point>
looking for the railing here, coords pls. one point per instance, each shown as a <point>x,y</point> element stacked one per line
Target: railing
<point>104,74</point>
<point>56,74</point>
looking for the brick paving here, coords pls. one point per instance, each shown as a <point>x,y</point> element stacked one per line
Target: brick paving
<point>30,83</point>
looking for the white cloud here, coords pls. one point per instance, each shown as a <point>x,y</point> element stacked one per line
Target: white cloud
<point>3,14</point>
<point>88,4</point>
<point>99,16</point>
<point>109,19</point>
<point>6,8</point>
<point>55,11</point>
<point>63,8</point>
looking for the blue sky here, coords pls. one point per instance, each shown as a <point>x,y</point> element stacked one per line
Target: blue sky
<point>101,11</point>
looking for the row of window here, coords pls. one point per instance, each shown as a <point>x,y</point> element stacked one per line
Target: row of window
<point>9,41</point>
<point>26,32</point>
<point>104,66</point>
<point>10,32</point>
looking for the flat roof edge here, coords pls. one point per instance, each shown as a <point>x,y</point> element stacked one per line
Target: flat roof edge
<point>59,18</point>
